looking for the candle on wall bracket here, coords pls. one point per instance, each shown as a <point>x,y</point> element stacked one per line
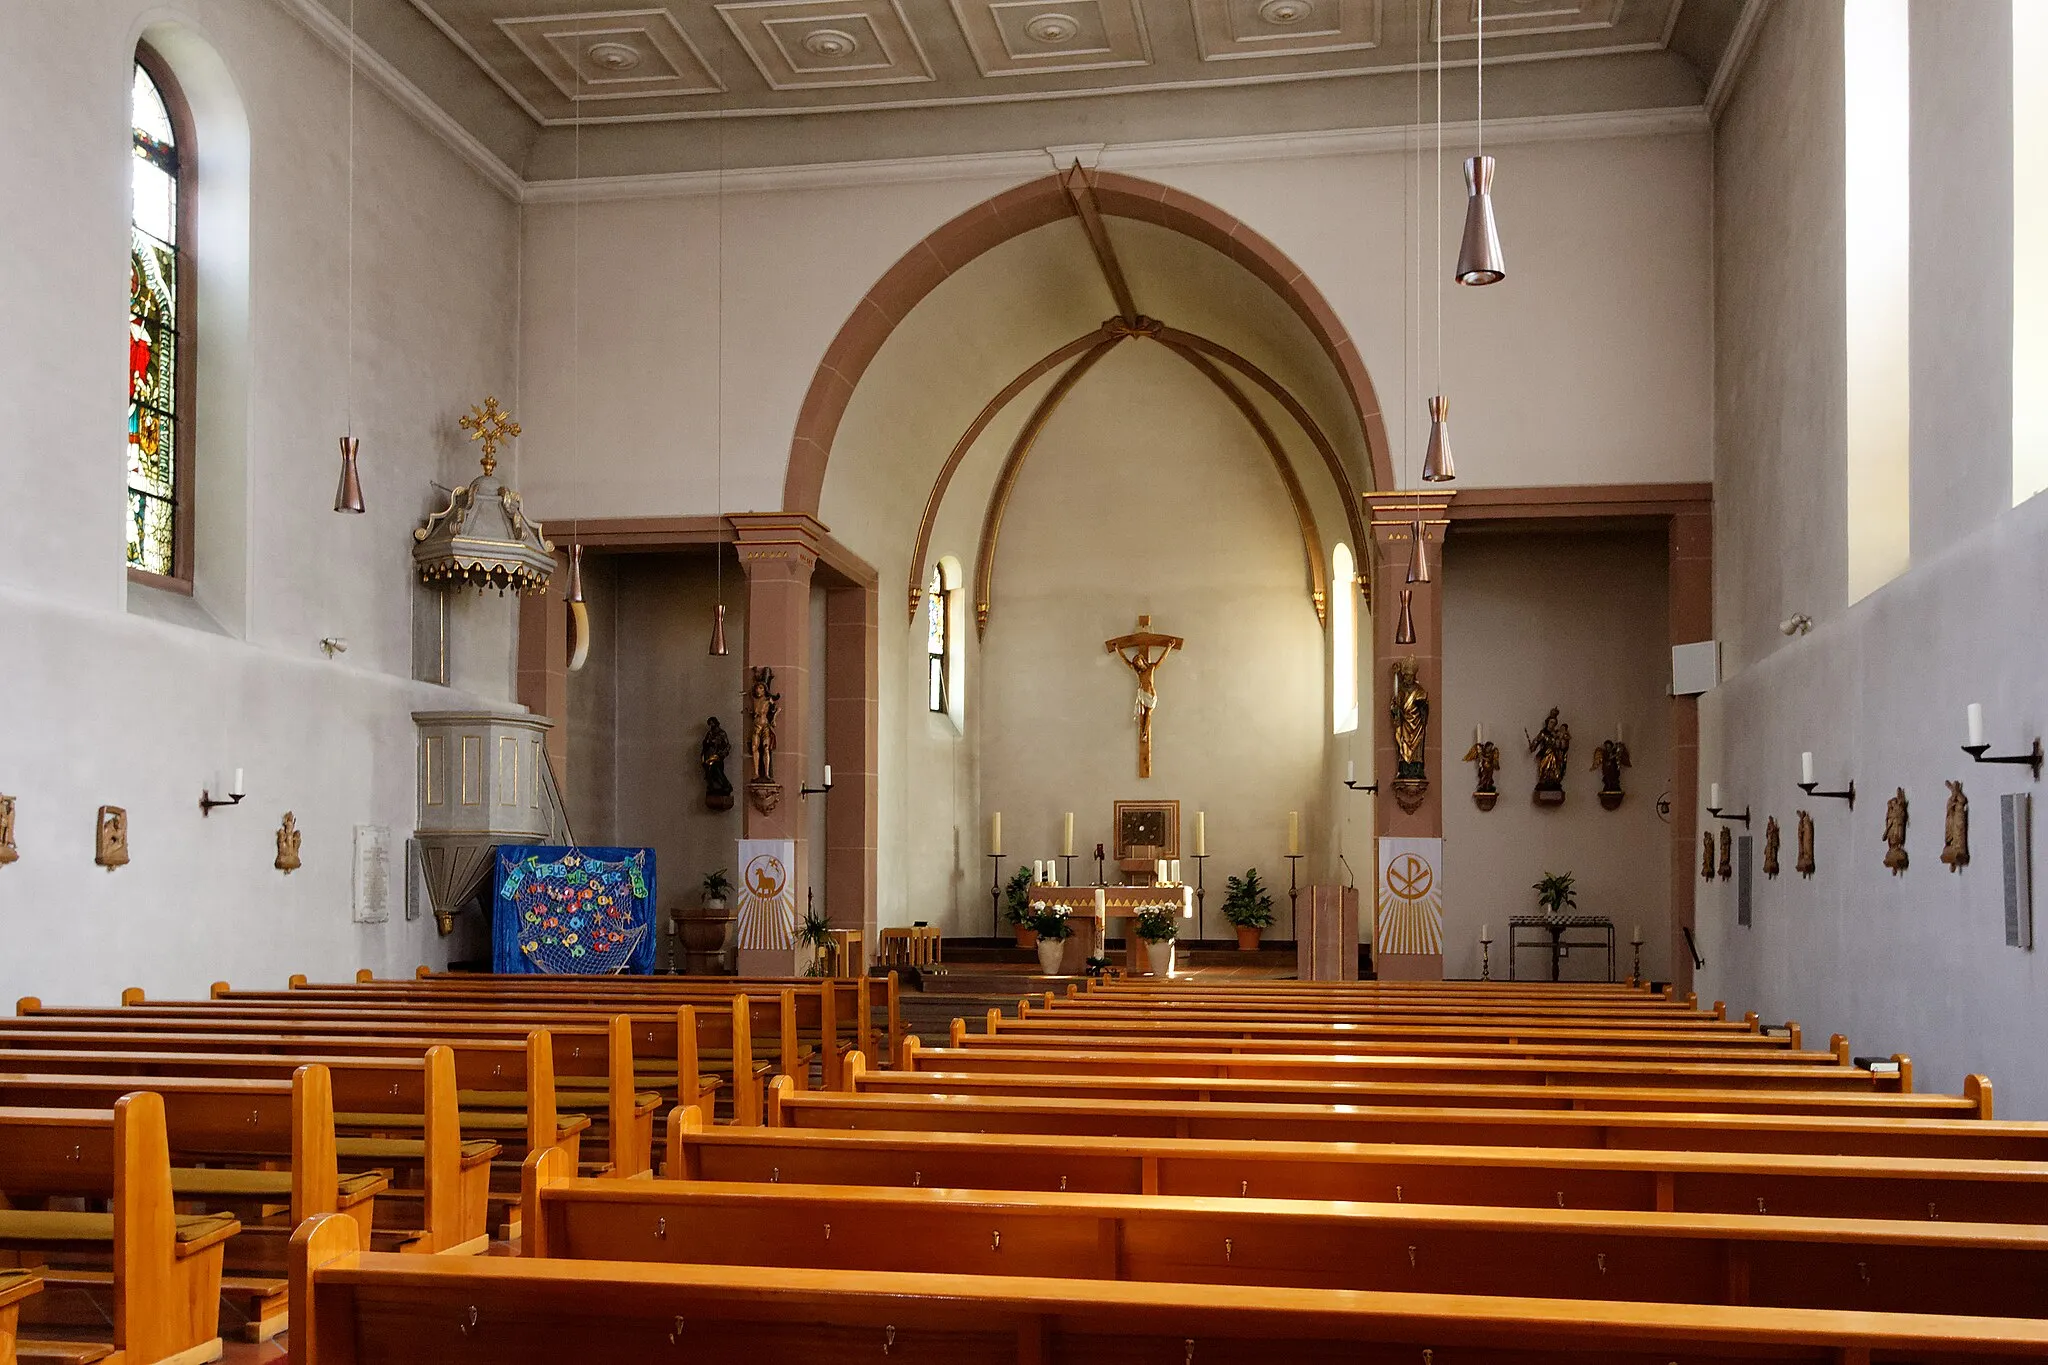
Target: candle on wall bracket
<point>1808,785</point>
<point>1715,809</point>
<point>1980,751</point>
<point>207,801</point>
<point>1351,779</point>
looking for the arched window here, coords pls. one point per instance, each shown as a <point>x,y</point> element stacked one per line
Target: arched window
<point>159,328</point>
<point>1343,640</point>
<point>938,643</point>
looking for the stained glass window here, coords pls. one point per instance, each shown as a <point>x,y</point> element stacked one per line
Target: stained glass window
<point>938,639</point>
<point>156,328</point>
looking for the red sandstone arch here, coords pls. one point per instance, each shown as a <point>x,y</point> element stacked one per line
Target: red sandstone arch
<point>1011,214</point>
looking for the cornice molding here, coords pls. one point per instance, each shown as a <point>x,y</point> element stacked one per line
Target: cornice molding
<point>408,96</point>
<point>1132,156</point>
<point>1748,24</point>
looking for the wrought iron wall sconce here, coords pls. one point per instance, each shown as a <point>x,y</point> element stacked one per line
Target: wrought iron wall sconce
<point>1715,810</point>
<point>234,797</point>
<point>1351,780</point>
<point>1979,750</point>
<point>1812,788</point>
<point>818,791</point>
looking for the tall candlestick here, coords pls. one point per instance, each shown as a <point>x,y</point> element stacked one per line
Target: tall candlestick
<point>995,835</point>
<point>1067,836</point>
<point>1976,716</point>
<point>1806,767</point>
<point>1201,834</point>
<point>1294,834</point>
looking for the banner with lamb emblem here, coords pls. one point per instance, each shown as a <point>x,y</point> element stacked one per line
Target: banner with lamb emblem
<point>767,913</point>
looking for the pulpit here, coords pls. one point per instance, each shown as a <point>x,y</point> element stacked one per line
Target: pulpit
<point>1326,939</point>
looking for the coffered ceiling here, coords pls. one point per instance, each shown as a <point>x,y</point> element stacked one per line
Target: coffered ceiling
<point>555,87</point>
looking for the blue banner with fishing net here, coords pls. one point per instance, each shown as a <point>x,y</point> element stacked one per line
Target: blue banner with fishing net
<point>573,911</point>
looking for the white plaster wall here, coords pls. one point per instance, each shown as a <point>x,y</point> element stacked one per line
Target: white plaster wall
<point>109,707</point>
<point>1915,963</point>
<point>1577,622</point>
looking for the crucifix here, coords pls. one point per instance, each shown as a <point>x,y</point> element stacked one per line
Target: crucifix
<point>1137,650</point>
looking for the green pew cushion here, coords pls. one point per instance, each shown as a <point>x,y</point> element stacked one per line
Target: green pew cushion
<point>404,1149</point>
<point>37,1225</point>
<point>228,1184</point>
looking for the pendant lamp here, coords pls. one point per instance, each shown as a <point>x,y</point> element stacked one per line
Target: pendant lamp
<point>1404,628</point>
<point>1479,257</point>
<point>718,630</point>
<point>1437,464</point>
<point>348,494</point>
<point>579,614</point>
<point>576,573</point>
<point>1418,552</point>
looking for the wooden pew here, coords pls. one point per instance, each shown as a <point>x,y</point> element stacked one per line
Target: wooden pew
<point>1548,1177</point>
<point>1996,1270</point>
<point>363,1308</point>
<point>594,1057</point>
<point>447,1179</point>
<point>254,1127</point>
<point>1190,1021</point>
<point>15,1285</point>
<point>1983,1140</point>
<point>166,1268</point>
<point>1498,1070</point>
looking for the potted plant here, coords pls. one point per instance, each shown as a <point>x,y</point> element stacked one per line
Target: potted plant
<point>1249,906</point>
<point>815,933</point>
<point>1049,922</point>
<point>1556,894</point>
<point>1017,906</point>
<point>1157,926</point>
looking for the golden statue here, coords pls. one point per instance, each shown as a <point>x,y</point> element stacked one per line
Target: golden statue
<point>1408,713</point>
<point>1727,867</point>
<point>1137,652</point>
<point>1771,846</point>
<point>1804,865</point>
<point>1706,855</point>
<point>1550,746</point>
<point>1895,833</point>
<point>1955,835</point>
<point>288,845</point>
<point>110,838</point>
<point>8,853</point>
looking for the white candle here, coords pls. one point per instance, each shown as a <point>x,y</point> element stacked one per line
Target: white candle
<point>1350,771</point>
<point>1173,872</point>
<point>1201,834</point>
<point>237,789</point>
<point>1067,836</point>
<point>1159,872</point>
<point>1293,833</point>
<point>1976,715</point>
<point>1806,768</point>
<point>995,835</point>
<point>1617,732</point>
<point>1478,734</point>
<point>1714,796</point>
<point>1486,933</point>
<point>828,774</point>
<point>1637,937</point>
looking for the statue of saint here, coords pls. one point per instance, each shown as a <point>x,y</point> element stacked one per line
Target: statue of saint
<point>1771,846</point>
<point>1727,866</point>
<point>1408,714</point>
<point>8,853</point>
<point>1895,833</point>
<point>716,750</point>
<point>110,838</point>
<point>1804,865</point>
<point>1955,835</point>
<point>1550,746</point>
<point>763,705</point>
<point>1706,855</point>
<point>288,845</point>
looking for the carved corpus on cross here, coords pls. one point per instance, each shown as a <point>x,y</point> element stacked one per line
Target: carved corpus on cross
<point>1142,651</point>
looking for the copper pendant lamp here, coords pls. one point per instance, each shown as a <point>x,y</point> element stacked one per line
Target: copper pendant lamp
<point>348,494</point>
<point>1418,552</point>
<point>718,630</point>
<point>1404,627</point>
<point>1437,464</point>
<point>1479,256</point>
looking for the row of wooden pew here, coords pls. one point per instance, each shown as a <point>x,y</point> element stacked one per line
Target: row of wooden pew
<point>407,1115</point>
<point>1185,1171</point>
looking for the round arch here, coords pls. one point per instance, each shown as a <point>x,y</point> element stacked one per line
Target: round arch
<point>1011,214</point>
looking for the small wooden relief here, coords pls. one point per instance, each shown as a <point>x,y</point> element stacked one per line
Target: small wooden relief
<point>8,853</point>
<point>1608,760</point>
<point>1485,755</point>
<point>1804,863</point>
<point>110,838</point>
<point>1706,855</point>
<point>288,845</point>
<point>1771,836</point>
<point>1955,836</point>
<point>1727,868</point>
<point>1895,833</point>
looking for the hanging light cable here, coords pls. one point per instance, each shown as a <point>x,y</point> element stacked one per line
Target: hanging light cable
<point>1418,544</point>
<point>718,645</point>
<point>1404,622</point>
<point>348,493</point>
<point>1479,257</point>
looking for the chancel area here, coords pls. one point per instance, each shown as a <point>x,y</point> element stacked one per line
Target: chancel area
<point>621,688</point>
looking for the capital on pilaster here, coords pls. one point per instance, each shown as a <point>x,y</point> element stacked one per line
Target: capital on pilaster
<point>777,544</point>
